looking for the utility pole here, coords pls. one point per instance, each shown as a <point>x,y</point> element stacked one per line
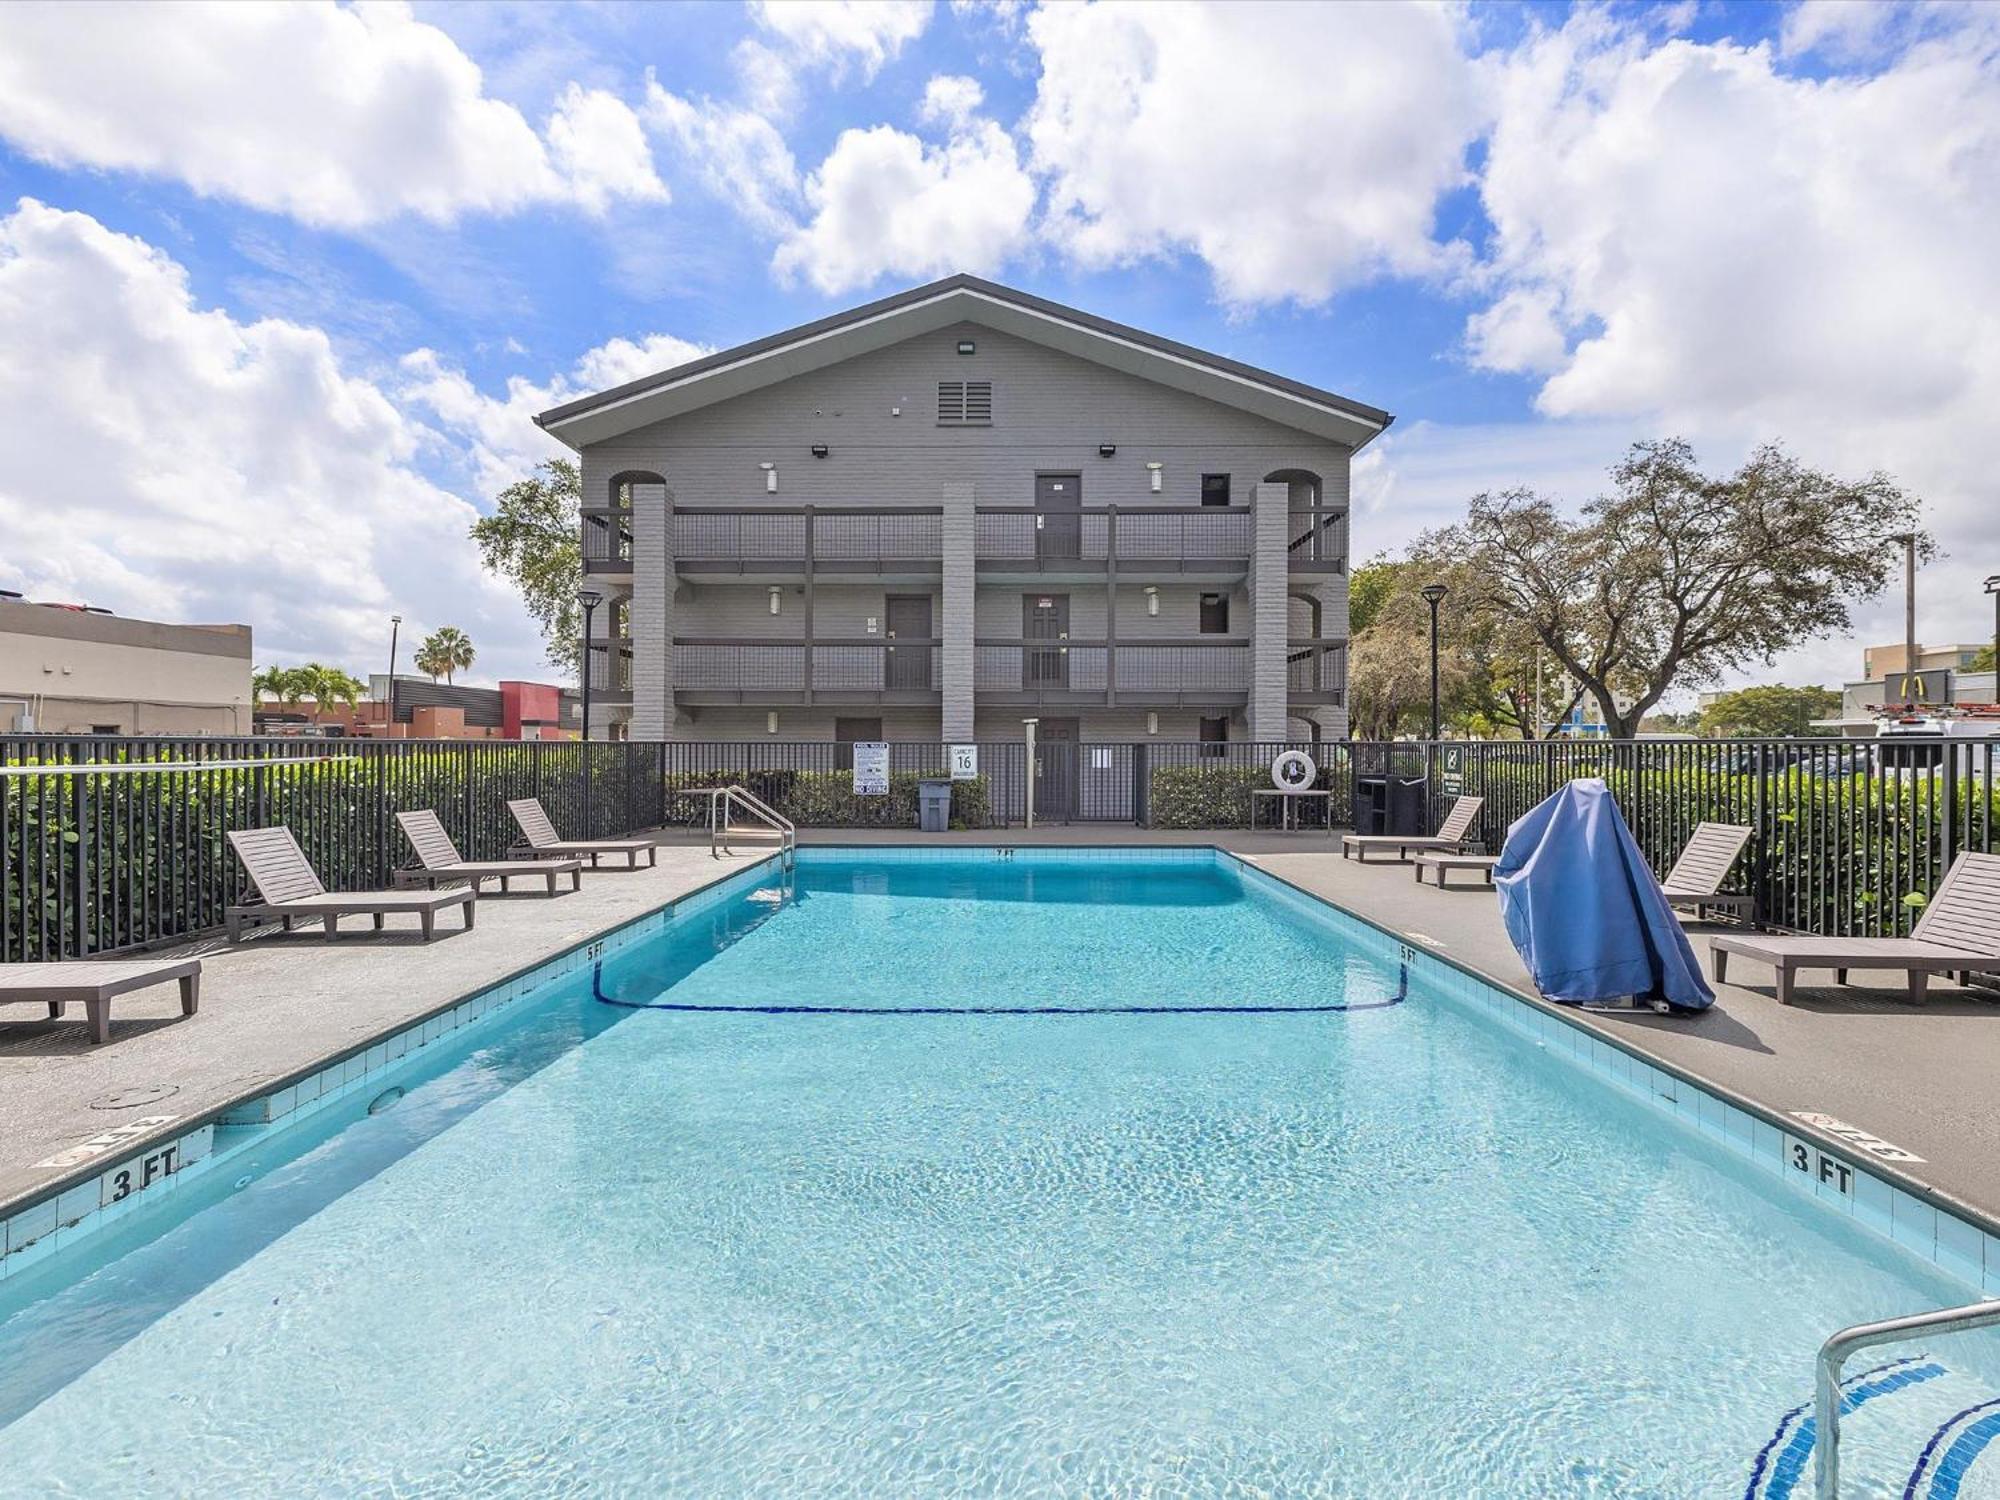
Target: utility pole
<point>389,710</point>
<point>1912,684</point>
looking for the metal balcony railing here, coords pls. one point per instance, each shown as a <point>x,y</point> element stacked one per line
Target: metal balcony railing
<point>1318,540</point>
<point>1152,671</point>
<point>794,537</point>
<point>607,541</point>
<point>747,667</point>
<point>1156,534</point>
<point>1316,671</point>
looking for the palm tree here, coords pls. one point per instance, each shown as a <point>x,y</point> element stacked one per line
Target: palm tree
<point>446,649</point>
<point>329,685</point>
<point>286,684</point>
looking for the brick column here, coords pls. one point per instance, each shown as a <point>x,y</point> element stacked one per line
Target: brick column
<point>960,580</point>
<point>652,612</point>
<point>1269,611</point>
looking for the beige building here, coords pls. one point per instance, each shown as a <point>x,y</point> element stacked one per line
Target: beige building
<point>1877,662</point>
<point>65,670</point>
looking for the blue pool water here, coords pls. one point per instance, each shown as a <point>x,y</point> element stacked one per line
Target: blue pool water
<point>1093,1177</point>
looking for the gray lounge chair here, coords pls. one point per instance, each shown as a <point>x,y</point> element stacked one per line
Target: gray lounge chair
<point>543,839</point>
<point>1695,881</point>
<point>287,888</point>
<point>1959,933</point>
<point>440,859</point>
<point>1454,834</point>
<point>94,983</point>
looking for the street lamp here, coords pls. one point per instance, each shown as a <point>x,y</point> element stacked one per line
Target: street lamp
<point>389,713</point>
<point>1433,595</point>
<point>1993,588</point>
<point>589,598</point>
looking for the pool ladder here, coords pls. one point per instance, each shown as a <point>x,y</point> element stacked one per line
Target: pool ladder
<point>722,798</point>
<point>1833,1354</point>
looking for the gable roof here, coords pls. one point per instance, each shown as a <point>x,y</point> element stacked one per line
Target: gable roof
<point>940,304</point>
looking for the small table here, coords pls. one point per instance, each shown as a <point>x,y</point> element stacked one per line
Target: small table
<point>1442,862</point>
<point>1287,817</point>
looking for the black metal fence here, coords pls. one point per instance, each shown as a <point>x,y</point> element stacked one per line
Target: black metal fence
<point>115,843</point>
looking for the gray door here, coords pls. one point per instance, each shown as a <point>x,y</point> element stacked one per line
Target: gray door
<point>909,619</point>
<point>1044,618</point>
<point>1055,770</point>
<point>1058,525</point>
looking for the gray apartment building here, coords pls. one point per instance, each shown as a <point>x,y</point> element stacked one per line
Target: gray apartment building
<point>945,512</point>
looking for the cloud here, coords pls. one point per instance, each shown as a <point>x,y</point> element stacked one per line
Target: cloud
<point>1296,149</point>
<point>885,203</point>
<point>337,116</point>
<point>1691,239</point>
<point>951,99</point>
<point>739,155</point>
<point>166,460</point>
<point>837,37</point>
<point>496,436</point>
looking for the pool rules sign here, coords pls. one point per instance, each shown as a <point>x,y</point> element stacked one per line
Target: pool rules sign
<point>871,768</point>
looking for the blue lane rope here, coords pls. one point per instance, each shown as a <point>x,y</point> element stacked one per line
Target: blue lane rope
<point>1959,1457</point>
<point>1402,994</point>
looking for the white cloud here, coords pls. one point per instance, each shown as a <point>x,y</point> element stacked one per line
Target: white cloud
<point>740,156</point>
<point>166,460</point>
<point>885,203</point>
<point>337,116</point>
<point>497,435</point>
<point>597,143</point>
<point>1736,253</point>
<point>864,33</point>
<point>1296,149</point>
<point>950,99</point>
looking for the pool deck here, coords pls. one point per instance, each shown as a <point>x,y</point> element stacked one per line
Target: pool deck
<point>273,1007</point>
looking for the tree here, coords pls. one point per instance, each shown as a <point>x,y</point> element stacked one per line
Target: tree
<point>326,685</point>
<point>444,651</point>
<point>532,540</point>
<point>1982,660</point>
<point>1676,576</point>
<point>1769,711</point>
<point>286,684</point>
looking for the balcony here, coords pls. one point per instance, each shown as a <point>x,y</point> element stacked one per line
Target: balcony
<point>1182,673</point>
<point>1317,542</point>
<point>861,669</point>
<point>607,542</point>
<point>1150,541</point>
<point>753,543</point>
<point>609,663</point>
<point>1316,672</point>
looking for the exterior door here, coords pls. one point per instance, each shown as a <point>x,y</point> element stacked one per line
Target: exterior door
<point>909,619</point>
<point>1044,618</point>
<point>1055,770</point>
<point>1058,518</point>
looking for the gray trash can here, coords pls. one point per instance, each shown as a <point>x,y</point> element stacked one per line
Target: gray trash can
<point>933,806</point>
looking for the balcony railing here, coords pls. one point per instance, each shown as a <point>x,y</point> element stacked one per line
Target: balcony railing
<point>609,663</point>
<point>1318,541</point>
<point>736,669</point>
<point>1203,539</point>
<point>1148,673</point>
<point>843,538</point>
<point>607,540</point>
<point>1316,671</point>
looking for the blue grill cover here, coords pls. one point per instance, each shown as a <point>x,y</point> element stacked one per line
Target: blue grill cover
<point>1584,910</point>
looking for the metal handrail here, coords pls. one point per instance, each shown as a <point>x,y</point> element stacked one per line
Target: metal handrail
<point>1833,1354</point>
<point>720,798</point>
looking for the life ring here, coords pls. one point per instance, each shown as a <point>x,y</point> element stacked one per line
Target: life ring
<point>1293,771</point>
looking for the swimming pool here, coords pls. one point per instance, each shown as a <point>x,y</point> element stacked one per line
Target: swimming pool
<point>1108,1174</point>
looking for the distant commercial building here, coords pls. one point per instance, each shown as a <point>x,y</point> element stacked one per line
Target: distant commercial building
<point>426,710</point>
<point>1878,662</point>
<point>68,669</point>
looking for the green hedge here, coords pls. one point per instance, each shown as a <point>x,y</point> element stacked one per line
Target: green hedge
<point>1218,796</point>
<point>825,799</point>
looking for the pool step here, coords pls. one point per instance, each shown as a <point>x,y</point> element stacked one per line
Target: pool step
<point>1912,1428</point>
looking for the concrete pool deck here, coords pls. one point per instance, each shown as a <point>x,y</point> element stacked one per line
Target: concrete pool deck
<point>1920,1077</point>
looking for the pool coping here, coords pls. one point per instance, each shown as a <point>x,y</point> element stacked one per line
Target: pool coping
<point>121,1169</point>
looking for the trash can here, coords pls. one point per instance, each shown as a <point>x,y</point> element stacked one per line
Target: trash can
<point>1405,813</point>
<point>1371,805</point>
<point>933,806</point>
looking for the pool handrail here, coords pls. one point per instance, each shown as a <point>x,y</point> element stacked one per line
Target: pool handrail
<point>721,798</point>
<point>1834,1353</point>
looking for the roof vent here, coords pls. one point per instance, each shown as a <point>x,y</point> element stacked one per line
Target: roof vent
<point>965,402</point>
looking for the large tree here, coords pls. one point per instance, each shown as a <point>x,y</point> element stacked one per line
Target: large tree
<point>1770,710</point>
<point>1675,576</point>
<point>532,539</point>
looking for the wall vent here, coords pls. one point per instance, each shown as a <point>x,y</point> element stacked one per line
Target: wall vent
<point>965,403</point>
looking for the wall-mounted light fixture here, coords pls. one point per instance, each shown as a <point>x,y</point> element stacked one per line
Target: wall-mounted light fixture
<point>771,722</point>
<point>1152,599</point>
<point>966,346</point>
<point>1105,450</point>
<point>1152,723</point>
<point>776,594</point>
<point>770,478</point>
<point>819,450</point>
<point>1153,477</point>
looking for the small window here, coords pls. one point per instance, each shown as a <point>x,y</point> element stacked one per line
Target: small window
<point>1215,489</point>
<point>1215,732</point>
<point>965,402</point>
<point>1215,614</point>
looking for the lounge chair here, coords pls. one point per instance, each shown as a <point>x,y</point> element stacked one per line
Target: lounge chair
<point>1959,933</point>
<point>1454,834</point>
<point>94,982</point>
<point>542,839</point>
<point>440,859</point>
<point>1440,862</point>
<point>1696,879</point>
<point>287,888</point>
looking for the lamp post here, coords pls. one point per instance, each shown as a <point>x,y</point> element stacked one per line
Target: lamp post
<point>1993,588</point>
<point>1433,595</point>
<point>389,712</point>
<point>589,598</point>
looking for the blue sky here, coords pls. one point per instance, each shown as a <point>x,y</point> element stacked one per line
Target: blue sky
<point>280,286</point>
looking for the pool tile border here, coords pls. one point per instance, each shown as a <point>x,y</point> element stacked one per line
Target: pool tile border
<point>81,1204</point>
